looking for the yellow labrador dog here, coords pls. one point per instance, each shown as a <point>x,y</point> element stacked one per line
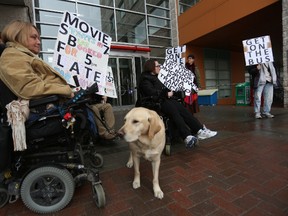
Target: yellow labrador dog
<point>144,130</point>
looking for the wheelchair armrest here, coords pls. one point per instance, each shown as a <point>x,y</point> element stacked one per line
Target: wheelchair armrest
<point>45,100</point>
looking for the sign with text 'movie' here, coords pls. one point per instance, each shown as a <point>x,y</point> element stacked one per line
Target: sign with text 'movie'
<point>81,52</point>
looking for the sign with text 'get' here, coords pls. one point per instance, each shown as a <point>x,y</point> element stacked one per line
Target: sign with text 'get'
<point>258,50</point>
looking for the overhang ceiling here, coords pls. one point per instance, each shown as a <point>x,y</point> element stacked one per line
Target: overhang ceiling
<point>267,21</point>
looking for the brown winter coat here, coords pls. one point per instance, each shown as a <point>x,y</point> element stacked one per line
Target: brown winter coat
<point>29,77</point>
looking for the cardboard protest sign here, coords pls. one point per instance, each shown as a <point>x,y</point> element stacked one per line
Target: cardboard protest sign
<point>258,50</point>
<point>176,77</point>
<point>109,89</point>
<point>175,54</point>
<point>83,51</point>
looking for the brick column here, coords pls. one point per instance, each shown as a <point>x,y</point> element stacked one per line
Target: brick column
<point>285,50</point>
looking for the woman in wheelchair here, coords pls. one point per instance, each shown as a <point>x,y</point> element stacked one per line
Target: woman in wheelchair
<point>24,75</point>
<point>190,128</point>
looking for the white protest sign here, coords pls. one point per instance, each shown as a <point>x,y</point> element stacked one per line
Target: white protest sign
<point>81,51</point>
<point>175,54</point>
<point>258,50</point>
<point>176,77</point>
<point>109,89</point>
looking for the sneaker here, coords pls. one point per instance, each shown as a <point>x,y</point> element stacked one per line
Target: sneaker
<point>268,115</point>
<point>205,133</point>
<point>258,116</point>
<point>191,141</point>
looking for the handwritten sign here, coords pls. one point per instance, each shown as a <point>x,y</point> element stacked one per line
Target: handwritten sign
<point>175,54</point>
<point>258,50</point>
<point>83,51</point>
<point>176,77</point>
<point>109,89</point>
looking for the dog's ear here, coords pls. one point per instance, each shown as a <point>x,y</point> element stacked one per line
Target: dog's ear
<point>154,126</point>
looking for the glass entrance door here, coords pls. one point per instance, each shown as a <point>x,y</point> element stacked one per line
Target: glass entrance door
<point>125,71</point>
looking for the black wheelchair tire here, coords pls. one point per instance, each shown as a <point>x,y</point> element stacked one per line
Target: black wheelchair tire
<point>47,189</point>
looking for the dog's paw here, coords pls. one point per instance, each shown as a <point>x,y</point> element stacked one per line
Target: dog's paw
<point>159,194</point>
<point>129,164</point>
<point>136,184</point>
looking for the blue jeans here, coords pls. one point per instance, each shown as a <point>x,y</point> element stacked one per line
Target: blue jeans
<point>267,90</point>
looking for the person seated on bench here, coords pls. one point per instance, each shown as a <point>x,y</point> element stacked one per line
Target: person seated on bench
<point>150,86</point>
<point>104,116</point>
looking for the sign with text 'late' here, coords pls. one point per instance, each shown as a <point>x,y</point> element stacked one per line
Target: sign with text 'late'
<point>81,52</point>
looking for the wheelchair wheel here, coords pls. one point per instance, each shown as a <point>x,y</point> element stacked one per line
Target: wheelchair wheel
<point>4,197</point>
<point>47,189</point>
<point>98,195</point>
<point>94,159</point>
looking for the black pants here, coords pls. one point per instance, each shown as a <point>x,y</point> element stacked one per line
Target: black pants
<point>185,122</point>
<point>6,145</point>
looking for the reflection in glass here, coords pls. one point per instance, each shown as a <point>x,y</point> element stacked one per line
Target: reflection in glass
<point>50,17</point>
<point>166,42</point>
<point>132,5</point>
<point>126,77</point>
<point>48,58</point>
<point>101,2</point>
<point>158,22</point>
<point>159,31</point>
<point>158,12</point>
<point>48,45</point>
<point>131,28</point>
<point>100,18</point>
<point>48,30</point>
<point>161,3</point>
<point>56,5</point>
<point>159,52</point>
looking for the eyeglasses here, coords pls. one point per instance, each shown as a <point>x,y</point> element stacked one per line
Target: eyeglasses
<point>158,66</point>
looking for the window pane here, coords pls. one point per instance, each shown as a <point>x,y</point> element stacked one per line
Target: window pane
<point>158,12</point>
<point>101,2</point>
<point>158,52</point>
<point>48,45</point>
<point>50,17</point>
<point>131,28</point>
<point>134,5</point>
<point>160,41</point>
<point>100,18</point>
<point>224,74</point>
<point>159,31</point>
<point>48,58</point>
<point>48,30</point>
<point>158,22</point>
<point>211,84</point>
<point>161,3</point>
<point>56,5</point>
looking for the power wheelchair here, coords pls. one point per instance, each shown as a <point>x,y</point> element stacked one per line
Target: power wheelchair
<point>154,103</point>
<point>60,154</point>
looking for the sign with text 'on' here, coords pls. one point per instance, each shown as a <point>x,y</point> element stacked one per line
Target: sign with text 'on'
<point>258,50</point>
<point>82,51</point>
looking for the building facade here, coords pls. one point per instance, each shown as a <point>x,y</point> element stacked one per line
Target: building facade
<point>140,29</point>
<point>214,30</point>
